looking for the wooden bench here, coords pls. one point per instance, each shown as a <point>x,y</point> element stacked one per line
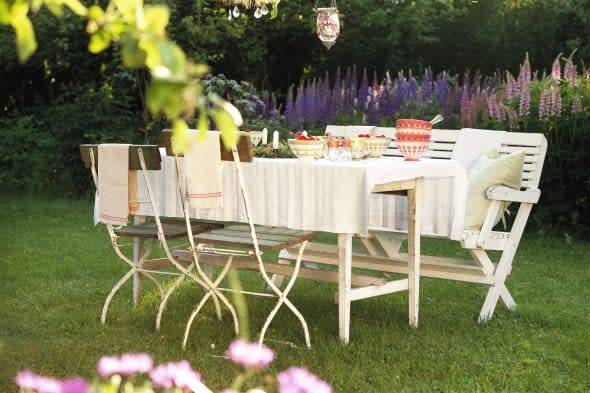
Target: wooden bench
<point>381,248</point>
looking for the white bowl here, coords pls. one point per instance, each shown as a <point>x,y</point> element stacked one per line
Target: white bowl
<point>307,150</point>
<point>376,146</point>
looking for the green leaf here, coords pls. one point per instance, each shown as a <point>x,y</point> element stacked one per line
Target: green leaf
<point>76,7</point>
<point>203,124</point>
<point>180,137</point>
<point>26,44</point>
<point>164,96</point>
<point>95,13</point>
<point>133,56</point>
<point>156,19</point>
<point>4,12</point>
<point>225,124</point>
<point>275,9</point>
<point>99,41</point>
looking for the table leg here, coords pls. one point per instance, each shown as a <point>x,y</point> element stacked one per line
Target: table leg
<point>138,251</point>
<point>414,229</point>
<point>344,284</point>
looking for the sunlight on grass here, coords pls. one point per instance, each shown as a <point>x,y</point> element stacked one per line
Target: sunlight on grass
<point>57,269</point>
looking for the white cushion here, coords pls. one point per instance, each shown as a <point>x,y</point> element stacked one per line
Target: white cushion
<point>488,171</point>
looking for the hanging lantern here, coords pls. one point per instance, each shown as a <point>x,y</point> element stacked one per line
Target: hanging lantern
<point>328,24</point>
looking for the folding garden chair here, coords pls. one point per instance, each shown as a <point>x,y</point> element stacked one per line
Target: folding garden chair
<point>238,244</point>
<point>142,158</point>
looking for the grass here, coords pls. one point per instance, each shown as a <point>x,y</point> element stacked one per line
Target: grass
<point>56,269</point>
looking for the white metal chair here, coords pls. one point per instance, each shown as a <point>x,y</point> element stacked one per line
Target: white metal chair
<point>145,158</point>
<point>234,246</point>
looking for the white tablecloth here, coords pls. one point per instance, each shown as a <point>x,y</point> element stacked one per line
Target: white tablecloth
<point>323,195</point>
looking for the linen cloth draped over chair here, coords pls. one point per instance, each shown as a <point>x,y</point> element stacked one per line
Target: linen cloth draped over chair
<point>114,172</point>
<point>243,241</point>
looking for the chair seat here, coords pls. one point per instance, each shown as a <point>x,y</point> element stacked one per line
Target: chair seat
<point>173,229</point>
<point>269,238</point>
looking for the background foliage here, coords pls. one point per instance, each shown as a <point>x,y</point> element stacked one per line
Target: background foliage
<point>64,96</point>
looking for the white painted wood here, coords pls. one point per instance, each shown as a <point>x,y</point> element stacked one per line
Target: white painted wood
<point>503,193</point>
<point>344,285</point>
<point>138,252</point>
<point>414,220</point>
<point>366,292</point>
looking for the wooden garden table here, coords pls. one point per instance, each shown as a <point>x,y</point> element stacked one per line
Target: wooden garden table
<point>318,195</point>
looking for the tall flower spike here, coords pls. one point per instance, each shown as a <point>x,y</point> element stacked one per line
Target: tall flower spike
<point>556,69</point>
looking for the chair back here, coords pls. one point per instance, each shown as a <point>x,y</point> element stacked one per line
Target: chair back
<point>151,155</point>
<point>244,146</point>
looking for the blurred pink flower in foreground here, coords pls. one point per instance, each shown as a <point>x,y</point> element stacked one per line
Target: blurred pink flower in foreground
<point>174,374</point>
<point>127,364</point>
<point>299,380</point>
<point>249,355</point>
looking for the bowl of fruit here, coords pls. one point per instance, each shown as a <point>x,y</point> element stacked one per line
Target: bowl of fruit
<point>306,147</point>
<point>374,145</point>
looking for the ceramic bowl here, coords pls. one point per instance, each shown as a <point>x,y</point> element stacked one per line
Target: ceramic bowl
<point>376,146</point>
<point>412,137</point>
<point>307,149</point>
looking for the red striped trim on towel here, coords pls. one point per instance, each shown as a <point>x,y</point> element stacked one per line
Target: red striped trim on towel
<point>205,195</point>
<point>113,218</point>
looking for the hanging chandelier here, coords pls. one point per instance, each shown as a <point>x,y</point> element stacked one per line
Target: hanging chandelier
<point>261,7</point>
<point>327,24</point>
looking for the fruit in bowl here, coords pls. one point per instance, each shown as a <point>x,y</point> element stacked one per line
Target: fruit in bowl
<point>307,147</point>
<point>412,137</point>
<point>375,145</point>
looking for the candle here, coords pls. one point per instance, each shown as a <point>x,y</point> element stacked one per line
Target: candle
<point>275,140</point>
<point>264,136</point>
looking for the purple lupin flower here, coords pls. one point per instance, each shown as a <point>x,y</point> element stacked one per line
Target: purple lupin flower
<point>179,375</point>
<point>511,87</point>
<point>249,355</point>
<point>290,108</point>
<point>28,380</point>
<point>442,85</point>
<point>299,380</point>
<point>466,120</point>
<point>363,93</point>
<point>127,364</point>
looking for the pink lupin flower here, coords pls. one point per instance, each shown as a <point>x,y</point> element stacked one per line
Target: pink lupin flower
<point>171,374</point>
<point>524,106</point>
<point>556,69</point>
<point>249,355</point>
<point>570,73</point>
<point>127,364</point>
<point>555,102</point>
<point>28,380</point>
<point>545,105</point>
<point>511,88</point>
<point>577,104</point>
<point>299,380</point>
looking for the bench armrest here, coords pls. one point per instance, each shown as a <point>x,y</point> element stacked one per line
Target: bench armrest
<point>503,193</point>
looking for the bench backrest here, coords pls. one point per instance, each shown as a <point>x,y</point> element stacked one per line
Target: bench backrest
<point>442,143</point>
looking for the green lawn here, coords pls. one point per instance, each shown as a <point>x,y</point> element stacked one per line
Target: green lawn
<point>56,268</point>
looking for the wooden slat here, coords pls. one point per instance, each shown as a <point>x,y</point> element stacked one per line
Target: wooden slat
<point>173,229</point>
<point>280,269</point>
<point>269,238</point>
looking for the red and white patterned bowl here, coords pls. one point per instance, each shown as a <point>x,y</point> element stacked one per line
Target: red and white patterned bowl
<point>412,137</point>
